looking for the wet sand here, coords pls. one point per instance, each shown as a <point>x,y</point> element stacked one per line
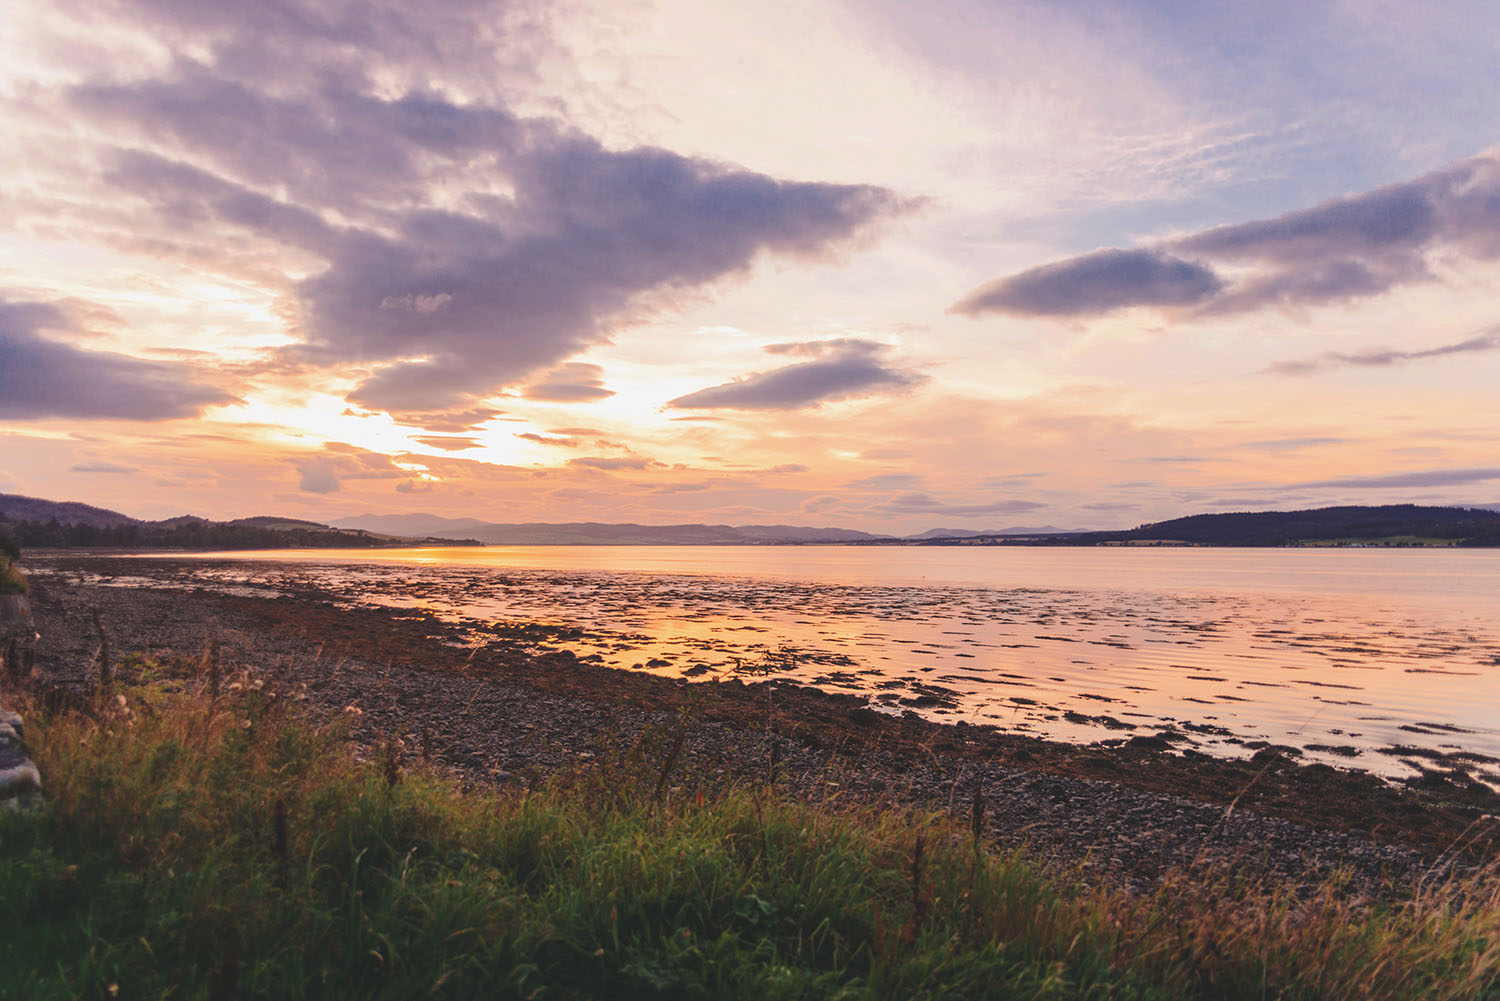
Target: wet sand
<point>515,705</point>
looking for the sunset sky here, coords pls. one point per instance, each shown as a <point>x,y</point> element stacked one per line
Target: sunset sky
<point>873,265</point>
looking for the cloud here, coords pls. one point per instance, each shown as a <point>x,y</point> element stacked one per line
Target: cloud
<point>1384,358</point>
<point>1293,444</point>
<point>575,382</point>
<point>842,369</point>
<point>1402,217</point>
<point>542,439</point>
<point>318,478</point>
<point>614,462</point>
<point>455,444</point>
<point>101,467</point>
<point>456,247</point>
<point>42,378</point>
<point>455,422</point>
<point>1426,478</point>
<point>322,473</point>
<point>1337,251</point>
<point>1096,283</point>
<point>921,503</point>
<point>885,481</point>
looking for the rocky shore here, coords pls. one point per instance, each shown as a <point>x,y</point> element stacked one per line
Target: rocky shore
<point>506,712</point>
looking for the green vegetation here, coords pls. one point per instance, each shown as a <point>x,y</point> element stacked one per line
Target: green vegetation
<point>11,581</point>
<point>192,847</point>
<point>1387,542</point>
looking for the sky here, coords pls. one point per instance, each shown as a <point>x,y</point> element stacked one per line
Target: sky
<point>874,265</point>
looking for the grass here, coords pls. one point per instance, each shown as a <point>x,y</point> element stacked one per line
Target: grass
<point>211,848</point>
<point>11,581</point>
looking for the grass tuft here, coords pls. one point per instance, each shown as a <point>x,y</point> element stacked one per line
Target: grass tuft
<point>196,847</point>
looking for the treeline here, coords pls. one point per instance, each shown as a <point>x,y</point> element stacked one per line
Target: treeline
<point>1461,526</point>
<point>189,534</point>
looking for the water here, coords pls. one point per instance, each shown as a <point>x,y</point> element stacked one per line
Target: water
<point>1387,660</point>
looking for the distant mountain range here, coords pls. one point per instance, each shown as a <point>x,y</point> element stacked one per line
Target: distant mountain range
<point>591,533</point>
<point>84,525</point>
<point>599,534</point>
<point>36,522</point>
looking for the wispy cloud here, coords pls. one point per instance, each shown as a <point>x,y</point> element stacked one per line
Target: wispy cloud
<point>322,473</point>
<point>575,382</point>
<point>922,503</point>
<point>1293,444</point>
<point>41,377</point>
<point>613,463</point>
<point>1096,283</point>
<point>1425,478</point>
<point>449,444</point>
<point>1384,357</point>
<point>101,467</point>
<point>547,439</point>
<point>841,369</point>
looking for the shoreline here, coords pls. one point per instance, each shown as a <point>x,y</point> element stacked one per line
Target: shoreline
<point>503,714</point>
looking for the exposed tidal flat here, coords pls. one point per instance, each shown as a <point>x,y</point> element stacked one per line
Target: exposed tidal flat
<point>457,658</point>
<point>1388,661</point>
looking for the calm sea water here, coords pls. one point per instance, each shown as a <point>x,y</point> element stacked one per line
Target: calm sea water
<point>1383,659</point>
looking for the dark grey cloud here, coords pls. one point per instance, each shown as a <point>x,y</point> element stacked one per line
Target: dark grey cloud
<point>575,382</point>
<point>1317,283</point>
<point>842,369</point>
<point>1341,250</point>
<point>447,288</point>
<point>1425,478</point>
<point>1096,283</point>
<point>41,377</point>
<point>1402,217</point>
<point>184,195</point>
<point>477,43</point>
<point>327,146</point>
<point>1384,358</point>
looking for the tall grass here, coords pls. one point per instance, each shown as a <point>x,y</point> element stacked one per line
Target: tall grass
<point>213,848</point>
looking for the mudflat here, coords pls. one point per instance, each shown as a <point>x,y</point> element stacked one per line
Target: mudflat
<point>506,709</point>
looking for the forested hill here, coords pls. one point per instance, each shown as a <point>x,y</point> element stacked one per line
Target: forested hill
<point>32,523</point>
<point>1394,524</point>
